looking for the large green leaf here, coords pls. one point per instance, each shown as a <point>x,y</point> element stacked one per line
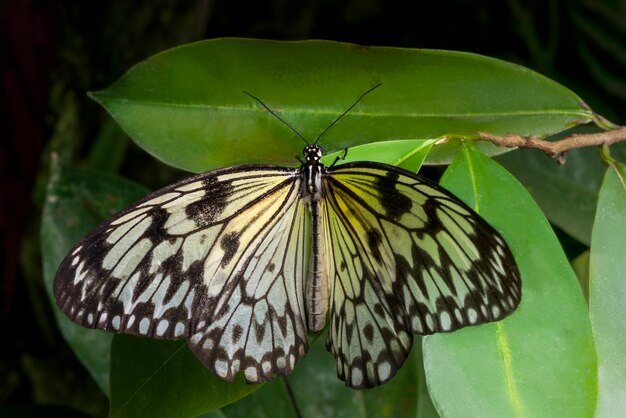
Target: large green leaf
<point>186,105</point>
<point>540,361</point>
<point>607,292</point>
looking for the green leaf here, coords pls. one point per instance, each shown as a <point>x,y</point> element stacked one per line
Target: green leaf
<point>607,292</point>
<point>407,154</point>
<point>158,378</point>
<point>186,105</point>
<point>540,361</point>
<point>76,202</point>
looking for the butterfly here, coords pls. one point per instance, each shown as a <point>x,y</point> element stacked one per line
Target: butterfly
<point>244,262</point>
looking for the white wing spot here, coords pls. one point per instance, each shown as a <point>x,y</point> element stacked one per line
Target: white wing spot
<point>384,370</point>
<point>472,315</point>
<point>90,318</point>
<point>143,325</point>
<point>115,322</point>
<point>75,260</point>
<point>103,317</point>
<point>417,325</point>
<point>179,330</point>
<point>162,327</point>
<point>266,367</point>
<point>131,321</point>
<point>221,368</point>
<point>280,362</point>
<point>445,321</point>
<point>357,377</point>
<point>251,374</point>
<point>496,311</point>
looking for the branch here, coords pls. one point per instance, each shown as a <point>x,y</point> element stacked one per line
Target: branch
<point>557,149</point>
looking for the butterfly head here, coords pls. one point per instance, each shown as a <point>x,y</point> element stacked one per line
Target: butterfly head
<point>312,154</point>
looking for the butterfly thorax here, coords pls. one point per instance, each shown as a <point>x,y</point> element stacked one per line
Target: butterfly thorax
<point>312,170</point>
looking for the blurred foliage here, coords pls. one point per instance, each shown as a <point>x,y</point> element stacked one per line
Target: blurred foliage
<point>579,43</point>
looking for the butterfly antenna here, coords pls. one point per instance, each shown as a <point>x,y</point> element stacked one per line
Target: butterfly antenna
<point>277,117</point>
<point>346,111</point>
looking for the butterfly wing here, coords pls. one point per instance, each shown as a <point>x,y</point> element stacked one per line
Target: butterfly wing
<point>218,259</point>
<point>409,257</point>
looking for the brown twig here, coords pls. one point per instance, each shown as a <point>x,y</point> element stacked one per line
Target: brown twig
<point>557,149</point>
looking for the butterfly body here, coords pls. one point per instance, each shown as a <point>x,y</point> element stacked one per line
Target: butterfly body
<point>243,261</point>
<point>317,285</point>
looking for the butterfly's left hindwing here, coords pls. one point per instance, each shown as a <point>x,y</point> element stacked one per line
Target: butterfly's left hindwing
<point>219,259</point>
<point>409,257</point>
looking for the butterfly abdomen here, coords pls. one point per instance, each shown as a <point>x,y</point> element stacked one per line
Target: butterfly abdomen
<point>318,282</point>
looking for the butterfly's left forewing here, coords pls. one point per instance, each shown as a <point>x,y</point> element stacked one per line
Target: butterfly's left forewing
<point>409,257</point>
<point>219,259</point>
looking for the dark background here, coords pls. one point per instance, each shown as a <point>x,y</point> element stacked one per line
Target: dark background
<point>53,52</point>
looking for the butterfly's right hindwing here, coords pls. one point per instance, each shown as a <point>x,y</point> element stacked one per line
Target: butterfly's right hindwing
<point>180,262</point>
